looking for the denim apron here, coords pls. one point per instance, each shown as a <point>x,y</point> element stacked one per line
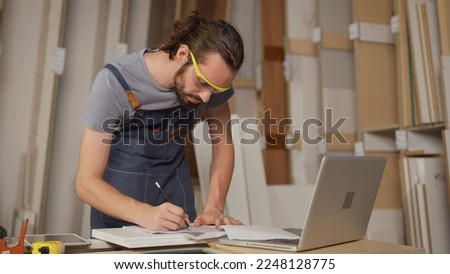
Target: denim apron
<point>148,149</point>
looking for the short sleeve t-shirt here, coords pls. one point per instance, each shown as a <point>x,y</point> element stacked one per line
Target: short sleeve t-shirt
<point>108,108</point>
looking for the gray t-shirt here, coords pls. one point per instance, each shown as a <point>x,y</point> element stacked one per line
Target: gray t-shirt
<point>108,108</point>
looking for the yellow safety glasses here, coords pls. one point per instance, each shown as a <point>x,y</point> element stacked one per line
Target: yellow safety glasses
<point>201,76</point>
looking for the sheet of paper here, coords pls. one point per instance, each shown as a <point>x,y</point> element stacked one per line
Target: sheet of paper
<point>253,232</point>
<point>195,233</point>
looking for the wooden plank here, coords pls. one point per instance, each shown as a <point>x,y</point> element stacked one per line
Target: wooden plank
<point>376,92</point>
<point>209,9</point>
<point>244,83</point>
<point>407,104</point>
<point>438,218</point>
<point>273,53</point>
<point>389,194</point>
<point>276,162</point>
<point>272,18</point>
<point>47,109</point>
<point>446,145</point>
<point>425,52</point>
<point>162,16</point>
<point>407,203</point>
<point>336,40</point>
<point>302,47</point>
<point>430,10</point>
<point>431,216</point>
<point>1,27</point>
<point>184,7</point>
<point>422,214</point>
<point>375,70</point>
<point>376,84</point>
<point>443,8</point>
<point>370,11</point>
<point>274,91</point>
<point>125,6</point>
<point>213,9</point>
<point>446,88</point>
<point>431,52</point>
<point>423,113</point>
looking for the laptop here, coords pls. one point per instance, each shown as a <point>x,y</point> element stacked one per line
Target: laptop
<point>340,207</point>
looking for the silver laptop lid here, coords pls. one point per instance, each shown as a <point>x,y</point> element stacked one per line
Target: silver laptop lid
<point>343,199</point>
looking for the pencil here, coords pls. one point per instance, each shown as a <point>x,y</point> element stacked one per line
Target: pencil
<point>170,201</point>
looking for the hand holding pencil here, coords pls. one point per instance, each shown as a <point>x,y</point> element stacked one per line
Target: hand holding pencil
<point>186,223</point>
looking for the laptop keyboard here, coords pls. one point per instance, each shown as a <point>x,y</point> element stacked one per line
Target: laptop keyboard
<point>284,241</point>
<point>296,231</point>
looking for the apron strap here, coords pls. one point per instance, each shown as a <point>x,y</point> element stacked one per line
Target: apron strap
<point>130,95</point>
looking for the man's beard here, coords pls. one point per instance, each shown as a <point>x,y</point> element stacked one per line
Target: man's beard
<point>182,96</point>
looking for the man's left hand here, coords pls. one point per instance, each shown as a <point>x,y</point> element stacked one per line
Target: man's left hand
<point>215,217</point>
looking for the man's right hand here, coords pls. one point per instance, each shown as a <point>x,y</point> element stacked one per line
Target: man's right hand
<point>163,217</point>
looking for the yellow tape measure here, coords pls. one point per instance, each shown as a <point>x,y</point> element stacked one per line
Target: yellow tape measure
<point>48,247</point>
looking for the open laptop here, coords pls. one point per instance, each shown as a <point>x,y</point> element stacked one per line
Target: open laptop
<point>340,207</point>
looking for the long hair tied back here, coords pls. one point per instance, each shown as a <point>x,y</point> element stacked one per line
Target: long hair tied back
<point>204,36</point>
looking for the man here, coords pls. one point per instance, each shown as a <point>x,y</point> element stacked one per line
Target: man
<point>140,110</point>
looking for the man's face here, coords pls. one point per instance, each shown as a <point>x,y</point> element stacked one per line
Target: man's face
<point>185,98</point>
<point>195,84</point>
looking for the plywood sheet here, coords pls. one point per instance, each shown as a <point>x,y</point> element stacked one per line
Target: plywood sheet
<point>389,195</point>
<point>273,19</point>
<point>369,11</point>
<point>274,90</point>
<point>430,52</point>
<point>375,70</point>
<point>302,47</point>
<point>418,61</point>
<point>217,9</point>
<point>444,25</point>
<point>376,85</point>
<point>406,103</point>
<point>277,166</point>
<point>336,40</point>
